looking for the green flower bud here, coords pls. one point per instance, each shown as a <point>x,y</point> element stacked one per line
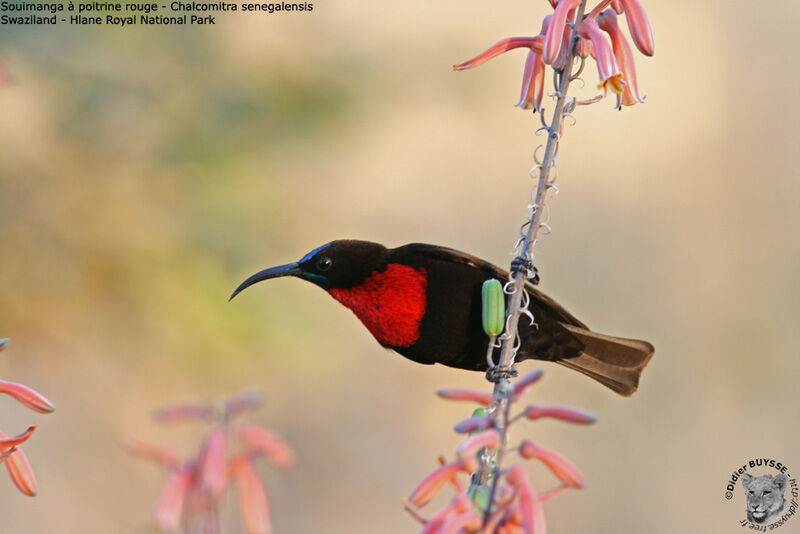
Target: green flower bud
<point>494,307</point>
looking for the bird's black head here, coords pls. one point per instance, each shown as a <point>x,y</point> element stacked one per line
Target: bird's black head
<point>339,264</point>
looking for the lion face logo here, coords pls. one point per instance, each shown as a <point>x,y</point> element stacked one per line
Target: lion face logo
<point>765,500</point>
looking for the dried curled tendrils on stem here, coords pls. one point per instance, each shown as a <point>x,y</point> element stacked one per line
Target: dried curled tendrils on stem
<point>501,498</point>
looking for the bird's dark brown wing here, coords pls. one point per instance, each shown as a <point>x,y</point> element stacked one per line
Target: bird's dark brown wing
<point>555,310</point>
<point>557,335</point>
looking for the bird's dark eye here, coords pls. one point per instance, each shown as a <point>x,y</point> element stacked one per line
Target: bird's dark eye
<point>323,264</point>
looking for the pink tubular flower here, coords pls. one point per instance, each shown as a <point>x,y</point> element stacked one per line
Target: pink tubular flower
<point>464,522</point>
<point>530,507</point>
<point>562,413</point>
<point>155,453</point>
<point>639,26</point>
<point>184,412</point>
<point>268,443</point>
<point>555,32</point>
<point>460,504</point>
<point>432,484</point>
<point>562,468</point>
<point>254,505</point>
<point>241,402</point>
<point>616,6</point>
<point>27,396</point>
<point>607,20</point>
<point>7,444</point>
<point>488,439</point>
<point>19,469</point>
<point>607,68</point>
<point>481,397</point>
<point>169,507</point>
<point>522,385</point>
<point>213,466</point>
<point>584,48</point>
<point>532,83</point>
<point>197,488</point>
<point>471,424</point>
<point>534,43</point>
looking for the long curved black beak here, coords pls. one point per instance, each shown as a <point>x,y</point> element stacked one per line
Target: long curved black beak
<point>290,269</point>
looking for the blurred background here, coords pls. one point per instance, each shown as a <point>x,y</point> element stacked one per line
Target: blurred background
<point>147,171</point>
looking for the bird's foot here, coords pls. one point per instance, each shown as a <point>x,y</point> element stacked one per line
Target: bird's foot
<point>500,373</point>
<point>526,266</point>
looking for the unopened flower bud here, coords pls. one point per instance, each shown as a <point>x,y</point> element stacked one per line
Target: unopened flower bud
<point>494,307</point>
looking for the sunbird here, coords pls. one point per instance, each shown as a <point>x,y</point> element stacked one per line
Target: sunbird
<point>424,302</point>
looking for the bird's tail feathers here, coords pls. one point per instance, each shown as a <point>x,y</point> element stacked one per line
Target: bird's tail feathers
<point>615,362</point>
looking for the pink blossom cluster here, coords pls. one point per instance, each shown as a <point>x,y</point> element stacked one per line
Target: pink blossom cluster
<point>19,469</point>
<point>552,46</point>
<point>196,486</point>
<point>505,501</point>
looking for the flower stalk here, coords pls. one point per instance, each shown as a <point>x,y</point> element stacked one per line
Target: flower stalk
<point>502,494</point>
<point>503,390</point>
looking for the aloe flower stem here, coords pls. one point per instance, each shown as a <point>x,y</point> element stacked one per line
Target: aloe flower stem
<point>503,391</point>
<point>529,239</point>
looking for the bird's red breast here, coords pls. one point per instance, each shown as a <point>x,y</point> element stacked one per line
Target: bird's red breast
<point>390,303</point>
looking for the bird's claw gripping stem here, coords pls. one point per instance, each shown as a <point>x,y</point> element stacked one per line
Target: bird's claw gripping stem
<point>500,373</point>
<point>526,266</point>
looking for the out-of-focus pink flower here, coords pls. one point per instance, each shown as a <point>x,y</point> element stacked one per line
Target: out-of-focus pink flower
<point>213,466</point>
<point>607,20</point>
<point>527,449</point>
<point>254,505</point>
<point>432,484</point>
<point>511,528</point>
<point>19,468</point>
<point>504,501</point>
<point>562,413</point>
<point>616,6</point>
<point>236,404</point>
<point>562,468</point>
<point>471,424</point>
<point>641,33</point>
<point>464,522</point>
<point>460,504</point>
<point>534,43</point>
<point>530,507</point>
<point>607,68</point>
<point>522,385</point>
<point>7,444</point>
<point>551,493</point>
<point>155,453</point>
<point>27,396</point>
<point>532,83</point>
<point>268,443</point>
<point>488,439</point>
<point>169,507</point>
<point>184,412</point>
<point>481,397</point>
<point>555,32</point>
